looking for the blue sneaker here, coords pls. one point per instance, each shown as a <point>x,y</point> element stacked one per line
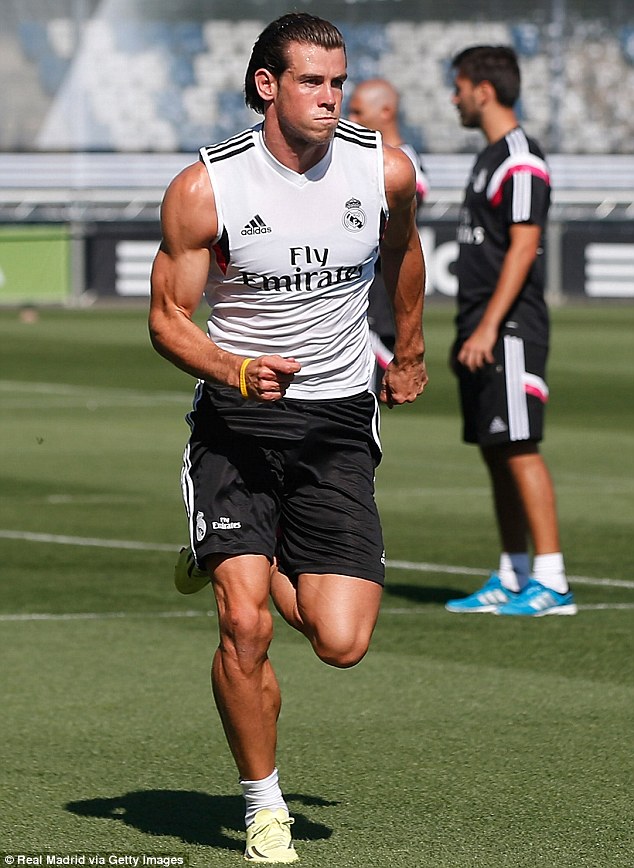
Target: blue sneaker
<point>488,599</point>
<point>537,600</point>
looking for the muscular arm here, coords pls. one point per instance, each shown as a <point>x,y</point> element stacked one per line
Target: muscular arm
<point>179,275</point>
<point>403,270</point>
<point>477,350</point>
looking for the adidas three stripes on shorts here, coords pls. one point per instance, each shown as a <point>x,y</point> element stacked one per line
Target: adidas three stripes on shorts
<point>504,402</point>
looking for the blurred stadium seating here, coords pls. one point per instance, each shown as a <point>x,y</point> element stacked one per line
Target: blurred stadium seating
<point>104,101</point>
<point>143,85</point>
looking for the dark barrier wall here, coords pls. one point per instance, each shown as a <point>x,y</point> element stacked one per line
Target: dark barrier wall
<point>596,260</point>
<point>119,258</point>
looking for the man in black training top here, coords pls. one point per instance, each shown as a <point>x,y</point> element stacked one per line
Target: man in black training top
<point>502,337</point>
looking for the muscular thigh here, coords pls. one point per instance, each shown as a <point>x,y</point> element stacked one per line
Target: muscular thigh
<point>343,603</point>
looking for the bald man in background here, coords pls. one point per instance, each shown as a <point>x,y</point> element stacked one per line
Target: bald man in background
<point>375,104</point>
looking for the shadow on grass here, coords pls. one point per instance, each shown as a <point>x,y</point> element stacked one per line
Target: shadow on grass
<point>195,818</point>
<point>422,594</point>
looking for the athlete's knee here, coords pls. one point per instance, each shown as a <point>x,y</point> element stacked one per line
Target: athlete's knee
<point>246,632</point>
<point>342,652</point>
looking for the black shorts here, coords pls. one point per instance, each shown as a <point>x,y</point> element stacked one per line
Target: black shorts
<point>292,479</point>
<point>504,402</point>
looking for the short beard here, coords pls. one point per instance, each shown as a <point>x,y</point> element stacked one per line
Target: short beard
<point>470,122</point>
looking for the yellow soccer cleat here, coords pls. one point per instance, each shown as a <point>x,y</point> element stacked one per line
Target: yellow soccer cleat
<point>187,577</point>
<point>269,838</point>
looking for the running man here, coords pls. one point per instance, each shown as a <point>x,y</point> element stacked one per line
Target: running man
<point>280,228</point>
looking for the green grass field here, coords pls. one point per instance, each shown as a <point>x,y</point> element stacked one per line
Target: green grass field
<point>459,741</point>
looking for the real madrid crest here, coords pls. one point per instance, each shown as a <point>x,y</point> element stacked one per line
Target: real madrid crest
<point>354,218</point>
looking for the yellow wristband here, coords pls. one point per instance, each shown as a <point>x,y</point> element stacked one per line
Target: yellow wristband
<point>243,378</point>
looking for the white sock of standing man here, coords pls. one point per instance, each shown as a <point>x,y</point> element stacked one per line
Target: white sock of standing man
<point>549,571</point>
<point>514,570</point>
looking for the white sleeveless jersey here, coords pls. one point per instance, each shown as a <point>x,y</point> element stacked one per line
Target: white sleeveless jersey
<point>295,256</point>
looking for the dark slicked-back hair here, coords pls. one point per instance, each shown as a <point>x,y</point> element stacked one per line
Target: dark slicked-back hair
<point>496,64</point>
<point>270,49</point>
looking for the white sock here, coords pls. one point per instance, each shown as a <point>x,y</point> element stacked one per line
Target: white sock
<point>265,793</point>
<point>514,570</point>
<point>549,570</point>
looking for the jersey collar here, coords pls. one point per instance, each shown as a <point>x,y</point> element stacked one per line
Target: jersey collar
<point>315,173</point>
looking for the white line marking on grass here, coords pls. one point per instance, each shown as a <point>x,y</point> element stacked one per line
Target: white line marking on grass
<point>433,568</point>
<point>601,606</point>
<point>100,616</point>
<point>73,500</point>
<point>606,583</point>
<point>192,613</point>
<point>60,539</point>
<point>414,566</point>
<point>95,395</point>
<point>470,571</point>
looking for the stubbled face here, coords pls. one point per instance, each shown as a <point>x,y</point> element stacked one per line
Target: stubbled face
<point>465,98</point>
<point>308,94</point>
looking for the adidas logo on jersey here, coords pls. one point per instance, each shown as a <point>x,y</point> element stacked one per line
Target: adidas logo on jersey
<point>256,226</point>
<point>497,426</point>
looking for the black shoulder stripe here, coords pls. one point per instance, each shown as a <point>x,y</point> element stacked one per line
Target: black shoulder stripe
<point>229,146</point>
<point>355,140</point>
<point>244,136</point>
<point>352,127</point>
<point>226,154</point>
<point>356,130</point>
